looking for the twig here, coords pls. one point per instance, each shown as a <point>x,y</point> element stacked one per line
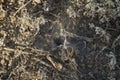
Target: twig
<point>40,52</point>
<point>56,65</point>
<point>22,7</point>
<point>42,62</point>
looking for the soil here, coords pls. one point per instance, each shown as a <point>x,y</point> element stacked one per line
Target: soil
<point>59,40</point>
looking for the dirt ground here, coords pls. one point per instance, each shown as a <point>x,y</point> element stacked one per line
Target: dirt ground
<point>59,40</point>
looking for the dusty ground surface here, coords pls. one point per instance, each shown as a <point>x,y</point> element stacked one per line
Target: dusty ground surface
<point>59,40</point>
